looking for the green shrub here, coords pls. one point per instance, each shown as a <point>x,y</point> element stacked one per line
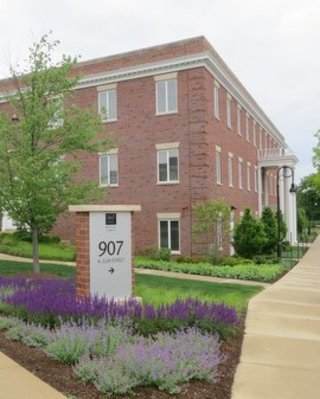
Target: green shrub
<point>235,260</point>
<point>265,259</point>
<point>249,236</point>
<point>270,228</point>
<point>157,254</point>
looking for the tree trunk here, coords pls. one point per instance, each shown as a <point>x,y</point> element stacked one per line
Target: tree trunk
<point>35,250</point>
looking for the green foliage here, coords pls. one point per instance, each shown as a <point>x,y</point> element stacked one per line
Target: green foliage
<point>49,248</point>
<point>157,254</point>
<point>209,215</point>
<point>302,221</point>
<point>38,154</point>
<point>249,236</point>
<point>283,226</point>
<point>270,228</point>
<point>263,272</point>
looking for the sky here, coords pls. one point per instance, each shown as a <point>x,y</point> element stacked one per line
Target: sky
<point>273,46</point>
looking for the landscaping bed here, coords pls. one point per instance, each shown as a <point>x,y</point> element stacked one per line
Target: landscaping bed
<point>183,326</point>
<point>247,271</point>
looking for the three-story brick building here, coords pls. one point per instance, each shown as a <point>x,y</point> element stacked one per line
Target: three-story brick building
<point>188,131</point>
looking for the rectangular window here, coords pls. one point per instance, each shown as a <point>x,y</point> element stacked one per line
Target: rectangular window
<point>169,235</point>
<point>254,133</point>
<point>256,179</point>
<point>216,102</point>
<point>166,96</point>
<point>247,127</point>
<point>230,169</point>
<point>107,105</point>
<point>260,138</point>
<point>239,120</point>
<point>168,165</point>
<point>109,169</point>
<point>218,165</point>
<point>266,141</point>
<point>240,173</point>
<point>248,176</point>
<point>229,111</point>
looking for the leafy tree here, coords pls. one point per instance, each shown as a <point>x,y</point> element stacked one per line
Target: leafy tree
<point>308,197</point>
<point>249,236</point>
<point>302,221</point>
<point>38,153</point>
<point>270,228</point>
<point>210,216</point>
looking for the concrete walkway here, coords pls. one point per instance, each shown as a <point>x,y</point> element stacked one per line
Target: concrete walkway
<point>281,349</point>
<point>18,383</point>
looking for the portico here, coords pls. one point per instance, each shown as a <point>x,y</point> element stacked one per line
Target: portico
<point>276,158</point>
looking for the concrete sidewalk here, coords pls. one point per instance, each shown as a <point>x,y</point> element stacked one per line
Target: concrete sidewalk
<point>280,356</point>
<point>18,383</point>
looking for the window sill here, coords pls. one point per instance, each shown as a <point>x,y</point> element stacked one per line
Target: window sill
<point>166,113</point>
<point>109,120</point>
<point>175,252</point>
<point>169,183</point>
<point>219,183</point>
<point>108,185</point>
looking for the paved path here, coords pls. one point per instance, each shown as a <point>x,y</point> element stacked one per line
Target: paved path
<point>18,383</point>
<point>281,349</point>
<point>182,276</point>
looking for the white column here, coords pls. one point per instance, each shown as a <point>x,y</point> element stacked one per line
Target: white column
<point>260,191</point>
<point>7,223</point>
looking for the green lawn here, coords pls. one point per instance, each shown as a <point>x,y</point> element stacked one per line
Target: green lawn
<point>161,290</point>
<point>158,290</point>
<point>13,245</point>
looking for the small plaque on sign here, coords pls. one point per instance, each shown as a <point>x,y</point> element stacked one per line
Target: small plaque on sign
<point>111,219</point>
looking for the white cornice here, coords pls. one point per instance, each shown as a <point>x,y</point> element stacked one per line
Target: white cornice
<point>205,59</point>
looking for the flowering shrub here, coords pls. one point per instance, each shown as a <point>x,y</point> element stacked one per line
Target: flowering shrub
<point>50,301</point>
<point>165,361</point>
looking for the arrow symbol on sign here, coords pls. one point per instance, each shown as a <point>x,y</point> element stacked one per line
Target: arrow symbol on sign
<point>111,270</point>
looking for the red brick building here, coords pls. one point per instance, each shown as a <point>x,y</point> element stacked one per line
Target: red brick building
<point>189,131</point>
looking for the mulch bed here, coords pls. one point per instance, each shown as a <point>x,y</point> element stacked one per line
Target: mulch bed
<point>60,376</point>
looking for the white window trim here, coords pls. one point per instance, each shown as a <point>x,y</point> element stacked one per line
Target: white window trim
<point>239,119</point>
<point>229,111</point>
<point>218,176</point>
<point>169,220</point>
<point>254,133</point>
<point>111,152</point>
<point>248,176</point>
<point>166,112</point>
<point>167,146</point>
<point>107,120</point>
<point>216,100</point>
<point>167,149</point>
<point>255,179</point>
<point>240,181</point>
<point>248,127</point>
<point>230,168</point>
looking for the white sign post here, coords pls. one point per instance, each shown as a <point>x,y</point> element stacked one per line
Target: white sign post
<point>104,266</point>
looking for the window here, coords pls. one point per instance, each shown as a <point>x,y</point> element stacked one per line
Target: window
<point>216,105</point>
<point>240,173</point>
<point>254,133</point>
<point>230,169</point>
<point>219,234</point>
<point>107,105</point>
<point>266,141</point>
<point>256,179</point>
<point>168,163</point>
<point>228,110</point>
<point>109,169</point>
<point>260,138</point>
<point>247,127</point>
<point>166,94</point>
<point>169,234</point>
<point>218,165</point>
<point>248,176</point>
<point>239,120</point>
